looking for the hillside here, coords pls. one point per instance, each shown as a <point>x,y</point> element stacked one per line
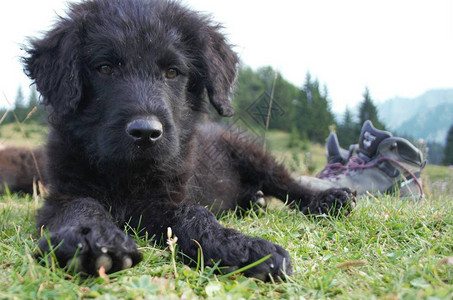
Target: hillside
<point>431,125</point>
<point>428,116</point>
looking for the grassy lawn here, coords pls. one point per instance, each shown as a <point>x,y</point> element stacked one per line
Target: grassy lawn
<point>29,135</point>
<point>387,249</point>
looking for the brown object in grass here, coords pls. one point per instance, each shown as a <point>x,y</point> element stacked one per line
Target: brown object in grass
<point>18,168</point>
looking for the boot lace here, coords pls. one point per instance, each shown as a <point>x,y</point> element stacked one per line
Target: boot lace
<point>356,163</point>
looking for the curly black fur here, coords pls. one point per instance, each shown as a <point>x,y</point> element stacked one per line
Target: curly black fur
<point>111,63</point>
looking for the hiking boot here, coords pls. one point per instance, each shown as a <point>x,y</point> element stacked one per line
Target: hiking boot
<point>383,164</point>
<point>336,154</point>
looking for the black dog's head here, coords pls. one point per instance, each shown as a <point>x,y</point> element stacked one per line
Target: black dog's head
<point>127,78</point>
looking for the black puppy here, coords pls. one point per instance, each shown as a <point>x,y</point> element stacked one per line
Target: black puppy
<point>126,83</point>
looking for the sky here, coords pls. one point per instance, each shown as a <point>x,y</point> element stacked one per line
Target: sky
<point>393,47</point>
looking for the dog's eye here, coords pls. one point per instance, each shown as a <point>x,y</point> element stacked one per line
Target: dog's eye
<point>105,69</point>
<point>171,73</point>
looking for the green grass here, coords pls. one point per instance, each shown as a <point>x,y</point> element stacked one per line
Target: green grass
<point>32,134</point>
<point>307,158</point>
<point>386,249</point>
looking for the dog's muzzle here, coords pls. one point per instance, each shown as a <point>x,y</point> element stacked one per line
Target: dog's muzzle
<point>145,131</point>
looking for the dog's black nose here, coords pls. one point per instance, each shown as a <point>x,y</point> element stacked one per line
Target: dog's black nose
<point>145,131</point>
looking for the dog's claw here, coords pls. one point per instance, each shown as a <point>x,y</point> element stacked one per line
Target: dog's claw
<point>127,262</point>
<point>104,261</point>
<point>332,202</point>
<point>90,251</point>
<point>75,264</point>
<point>258,202</point>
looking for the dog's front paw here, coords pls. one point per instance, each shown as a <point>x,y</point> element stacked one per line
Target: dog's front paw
<point>87,248</point>
<point>276,266</point>
<point>332,202</point>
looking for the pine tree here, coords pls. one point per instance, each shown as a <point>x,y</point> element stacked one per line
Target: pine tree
<point>301,112</point>
<point>448,152</point>
<point>348,131</point>
<point>305,113</point>
<point>39,115</point>
<point>20,99</point>
<point>368,111</point>
<point>21,109</point>
<point>33,98</point>
<point>314,115</point>
<point>250,86</point>
<point>284,95</point>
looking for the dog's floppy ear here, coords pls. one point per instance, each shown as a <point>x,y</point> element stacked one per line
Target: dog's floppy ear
<point>53,64</point>
<point>221,64</point>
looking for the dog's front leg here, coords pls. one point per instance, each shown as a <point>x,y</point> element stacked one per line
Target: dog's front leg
<point>196,226</point>
<point>260,170</point>
<point>83,237</point>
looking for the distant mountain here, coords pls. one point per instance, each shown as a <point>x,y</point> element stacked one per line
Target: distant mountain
<point>432,125</point>
<point>428,116</point>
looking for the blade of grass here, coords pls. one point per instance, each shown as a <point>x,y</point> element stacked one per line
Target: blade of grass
<point>245,268</point>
